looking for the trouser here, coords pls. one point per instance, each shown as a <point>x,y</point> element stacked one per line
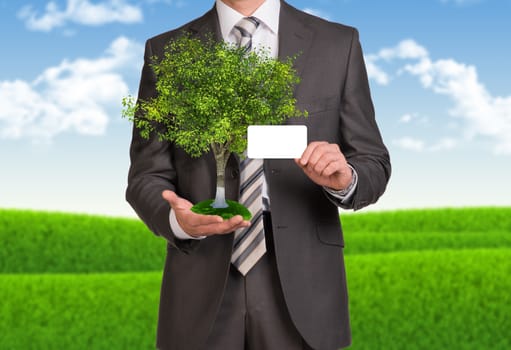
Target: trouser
<point>253,314</point>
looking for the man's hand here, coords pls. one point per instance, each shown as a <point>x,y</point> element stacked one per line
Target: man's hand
<point>197,225</point>
<point>325,164</point>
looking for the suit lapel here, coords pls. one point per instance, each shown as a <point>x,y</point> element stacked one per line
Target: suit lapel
<point>295,38</point>
<point>206,25</point>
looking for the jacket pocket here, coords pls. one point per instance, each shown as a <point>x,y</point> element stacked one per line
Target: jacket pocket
<point>330,234</point>
<point>318,105</point>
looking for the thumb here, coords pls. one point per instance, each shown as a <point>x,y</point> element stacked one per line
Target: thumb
<point>170,197</point>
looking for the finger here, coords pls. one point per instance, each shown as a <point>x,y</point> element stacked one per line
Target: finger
<point>244,223</point>
<point>335,168</point>
<point>323,162</point>
<point>226,226</point>
<point>232,223</point>
<point>239,221</point>
<point>322,150</point>
<point>301,166</point>
<point>309,151</point>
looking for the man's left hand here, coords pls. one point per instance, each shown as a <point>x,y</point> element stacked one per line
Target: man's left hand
<point>325,164</point>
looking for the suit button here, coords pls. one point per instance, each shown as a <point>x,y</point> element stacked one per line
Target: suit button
<point>275,171</point>
<point>235,173</point>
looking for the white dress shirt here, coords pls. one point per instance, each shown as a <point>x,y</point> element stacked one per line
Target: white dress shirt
<point>265,37</point>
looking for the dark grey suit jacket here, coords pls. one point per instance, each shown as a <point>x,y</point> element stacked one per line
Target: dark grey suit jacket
<point>307,232</point>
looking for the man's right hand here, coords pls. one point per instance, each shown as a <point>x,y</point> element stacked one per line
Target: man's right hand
<point>198,225</point>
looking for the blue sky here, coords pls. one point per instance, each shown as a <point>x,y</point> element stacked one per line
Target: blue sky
<point>439,74</point>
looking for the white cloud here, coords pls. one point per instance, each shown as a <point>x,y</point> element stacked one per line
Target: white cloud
<point>375,72</point>
<point>444,145</point>
<point>408,118</point>
<point>73,96</point>
<point>418,145</point>
<point>82,12</point>
<point>482,114</point>
<point>411,144</point>
<point>316,12</point>
<point>406,49</point>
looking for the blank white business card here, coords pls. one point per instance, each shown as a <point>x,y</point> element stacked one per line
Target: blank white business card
<point>276,141</point>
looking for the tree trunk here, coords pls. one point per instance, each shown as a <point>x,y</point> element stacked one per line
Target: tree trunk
<point>221,156</point>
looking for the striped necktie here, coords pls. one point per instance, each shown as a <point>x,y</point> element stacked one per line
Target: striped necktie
<point>243,31</point>
<point>249,243</point>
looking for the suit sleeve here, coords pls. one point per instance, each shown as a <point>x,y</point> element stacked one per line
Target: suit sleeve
<point>152,170</point>
<point>361,141</point>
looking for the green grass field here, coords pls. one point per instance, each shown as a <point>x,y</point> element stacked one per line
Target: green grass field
<point>433,279</point>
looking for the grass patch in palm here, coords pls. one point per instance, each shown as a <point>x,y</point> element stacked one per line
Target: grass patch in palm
<point>233,208</point>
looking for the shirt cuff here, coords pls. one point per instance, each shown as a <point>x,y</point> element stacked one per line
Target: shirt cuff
<point>345,194</point>
<point>178,230</point>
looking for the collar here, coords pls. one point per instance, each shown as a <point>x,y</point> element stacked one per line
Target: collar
<point>268,13</point>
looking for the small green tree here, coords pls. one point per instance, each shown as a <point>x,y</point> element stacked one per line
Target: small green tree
<point>209,93</point>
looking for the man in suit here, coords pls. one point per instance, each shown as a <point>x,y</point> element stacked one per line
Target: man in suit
<point>295,295</point>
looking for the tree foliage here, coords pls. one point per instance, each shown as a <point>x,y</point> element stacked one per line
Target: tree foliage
<point>208,92</point>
